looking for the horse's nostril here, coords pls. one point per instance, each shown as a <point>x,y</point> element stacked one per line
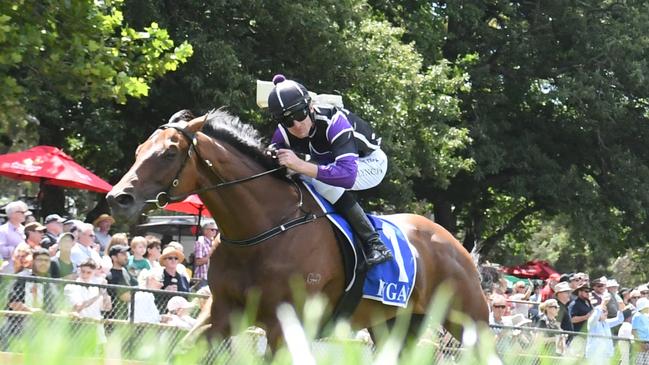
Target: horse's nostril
<point>124,199</point>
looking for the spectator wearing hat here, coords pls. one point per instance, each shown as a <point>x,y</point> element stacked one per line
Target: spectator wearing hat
<point>102,227</point>
<point>634,295</point>
<point>600,349</point>
<point>548,291</point>
<point>62,266</point>
<point>575,281</point>
<point>644,291</point>
<point>640,330</point>
<point>563,299</point>
<point>181,268</point>
<point>580,308</point>
<point>202,249</point>
<point>34,233</point>
<point>54,228</point>
<point>178,308</point>
<point>72,226</point>
<point>85,248</point>
<point>616,301</point>
<point>598,290</point>
<point>172,279</point>
<point>12,233</point>
<point>118,275</point>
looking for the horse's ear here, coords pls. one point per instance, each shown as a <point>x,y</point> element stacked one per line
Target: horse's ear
<point>196,124</point>
<point>181,116</point>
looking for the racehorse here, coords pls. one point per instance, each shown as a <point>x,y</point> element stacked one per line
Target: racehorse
<point>224,161</point>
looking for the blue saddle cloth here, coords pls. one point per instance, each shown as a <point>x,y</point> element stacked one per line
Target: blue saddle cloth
<point>390,282</point>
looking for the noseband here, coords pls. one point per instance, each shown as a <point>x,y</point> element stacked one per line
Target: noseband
<point>163,198</point>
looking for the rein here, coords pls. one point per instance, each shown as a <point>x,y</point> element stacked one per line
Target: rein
<point>163,198</point>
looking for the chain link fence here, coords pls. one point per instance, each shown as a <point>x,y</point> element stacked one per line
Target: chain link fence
<point>32,306</point>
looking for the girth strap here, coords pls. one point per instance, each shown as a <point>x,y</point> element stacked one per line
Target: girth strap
<point>308,218</point>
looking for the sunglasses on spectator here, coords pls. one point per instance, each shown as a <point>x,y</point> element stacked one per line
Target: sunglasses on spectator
<point>499,306</point>
<point>288,118</point>
<point>172,258</point>
<point>635,297</point>
<point>644,292</point>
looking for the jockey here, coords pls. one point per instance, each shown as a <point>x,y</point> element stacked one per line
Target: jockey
<point>344,149</point>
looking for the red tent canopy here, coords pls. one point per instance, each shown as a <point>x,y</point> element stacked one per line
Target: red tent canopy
<point>51,166</point>
<point>535,269</point>
<point>191,205</point>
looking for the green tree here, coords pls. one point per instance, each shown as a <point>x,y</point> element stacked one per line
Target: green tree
<point>558,114</point>
<point>65,63</point>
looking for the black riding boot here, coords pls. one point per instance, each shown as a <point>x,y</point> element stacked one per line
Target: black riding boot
<point>375,250</point>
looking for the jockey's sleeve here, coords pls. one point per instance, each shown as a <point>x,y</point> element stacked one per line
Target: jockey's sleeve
<point>278,140</point>
<point>342,172</point>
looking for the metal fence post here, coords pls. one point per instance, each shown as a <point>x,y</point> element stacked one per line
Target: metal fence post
<point>132,306</point>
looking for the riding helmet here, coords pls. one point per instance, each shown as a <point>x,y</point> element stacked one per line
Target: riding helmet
<point>287,95</point>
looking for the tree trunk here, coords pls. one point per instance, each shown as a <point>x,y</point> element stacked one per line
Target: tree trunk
<point>51,200</point>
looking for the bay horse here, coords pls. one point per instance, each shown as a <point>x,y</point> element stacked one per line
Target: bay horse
<point>223,160</point>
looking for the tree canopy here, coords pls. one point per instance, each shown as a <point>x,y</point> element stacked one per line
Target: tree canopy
<point>505,120</point>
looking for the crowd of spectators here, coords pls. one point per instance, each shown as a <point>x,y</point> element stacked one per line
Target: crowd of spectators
<point>579,316</point>
<point>87,254</point>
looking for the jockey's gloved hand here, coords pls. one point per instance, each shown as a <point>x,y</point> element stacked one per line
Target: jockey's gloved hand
<point>271,151</point>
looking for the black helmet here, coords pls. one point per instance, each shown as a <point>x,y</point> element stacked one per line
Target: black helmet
<point>287,95</point>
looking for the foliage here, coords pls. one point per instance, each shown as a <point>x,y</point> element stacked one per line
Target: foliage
<point>411,106</point>
<point>505,118</point>
<point>60,59</point>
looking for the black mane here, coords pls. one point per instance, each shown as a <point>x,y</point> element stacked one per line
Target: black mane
<point>224,126</point>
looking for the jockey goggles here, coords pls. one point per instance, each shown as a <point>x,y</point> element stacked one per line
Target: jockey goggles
<point>288,118</point>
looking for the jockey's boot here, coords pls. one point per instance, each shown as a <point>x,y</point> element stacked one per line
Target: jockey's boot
<point>375,250</point>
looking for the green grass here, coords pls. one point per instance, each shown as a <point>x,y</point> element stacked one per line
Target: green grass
<point>61,341</point>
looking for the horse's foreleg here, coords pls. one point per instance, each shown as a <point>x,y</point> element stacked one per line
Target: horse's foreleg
<point>219,318</point>
<point>202,324</point>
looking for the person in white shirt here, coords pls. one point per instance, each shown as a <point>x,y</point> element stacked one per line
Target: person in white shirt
<point>88,301</point>
<point>626,331</point>
<point>85,248</point>
<point>145,307</point>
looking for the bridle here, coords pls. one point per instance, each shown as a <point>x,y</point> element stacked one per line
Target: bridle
<point>163,198</point>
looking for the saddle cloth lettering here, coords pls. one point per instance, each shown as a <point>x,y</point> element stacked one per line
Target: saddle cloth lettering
<point>390,282</point>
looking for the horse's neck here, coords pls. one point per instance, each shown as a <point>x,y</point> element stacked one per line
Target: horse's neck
<point>249,208</point>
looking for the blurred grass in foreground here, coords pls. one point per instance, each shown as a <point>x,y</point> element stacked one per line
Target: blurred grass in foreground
<point>61,341</point>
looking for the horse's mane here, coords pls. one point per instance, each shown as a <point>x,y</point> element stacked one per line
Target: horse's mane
<point>224,126</point>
